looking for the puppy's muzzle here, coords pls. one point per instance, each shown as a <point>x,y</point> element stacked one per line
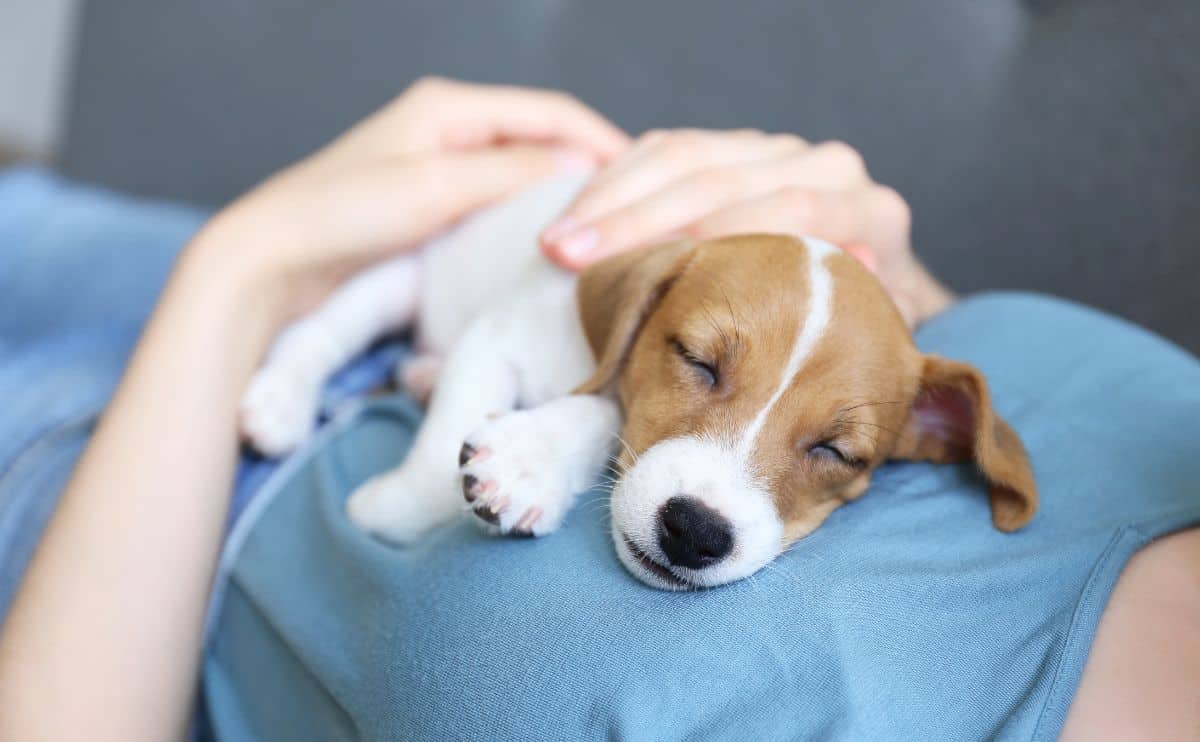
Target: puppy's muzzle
<point>693,535</point>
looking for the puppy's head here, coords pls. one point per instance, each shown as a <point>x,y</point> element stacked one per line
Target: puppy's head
<point>763,378</point>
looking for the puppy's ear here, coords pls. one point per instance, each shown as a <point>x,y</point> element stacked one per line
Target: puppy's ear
<point>615,297</point>
<point>952,420</point>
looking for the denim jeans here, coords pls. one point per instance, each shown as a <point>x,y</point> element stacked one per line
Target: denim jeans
<point>80,269</point>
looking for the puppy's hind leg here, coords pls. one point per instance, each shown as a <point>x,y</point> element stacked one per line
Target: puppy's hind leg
<point>476,381</point>
<point>280,404</point>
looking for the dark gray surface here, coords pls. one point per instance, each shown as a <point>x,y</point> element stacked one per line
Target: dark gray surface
<point>1046,145</point>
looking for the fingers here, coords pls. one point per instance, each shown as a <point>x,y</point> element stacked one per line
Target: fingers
<point>857,217</point>
<point>784,163</point>
<point>863,219</point>
<point>520,114</point>
<point>659,159</point>
<point>794,210</point>
<point>351,214</point>
<point>437,114</point>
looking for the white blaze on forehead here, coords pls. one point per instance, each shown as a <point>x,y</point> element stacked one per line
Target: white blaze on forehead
<point>820,307</point>
<point>717,470</point>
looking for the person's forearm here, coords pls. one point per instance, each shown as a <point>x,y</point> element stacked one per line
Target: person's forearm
<point>103,638</point>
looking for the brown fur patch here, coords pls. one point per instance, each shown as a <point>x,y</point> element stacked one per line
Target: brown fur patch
<point>657,318</point>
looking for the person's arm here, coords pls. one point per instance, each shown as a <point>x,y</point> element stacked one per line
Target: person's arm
<point>103,638</point>
<point>707,184</point>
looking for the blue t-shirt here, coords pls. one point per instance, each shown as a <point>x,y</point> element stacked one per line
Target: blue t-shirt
<point>905,616</point>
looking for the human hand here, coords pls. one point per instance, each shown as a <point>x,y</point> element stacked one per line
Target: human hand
<point>706,184</point>
<point>439,151</point>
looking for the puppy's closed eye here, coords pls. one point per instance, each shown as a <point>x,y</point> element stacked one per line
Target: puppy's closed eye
<point>830,451</point>
<point>708,371</point>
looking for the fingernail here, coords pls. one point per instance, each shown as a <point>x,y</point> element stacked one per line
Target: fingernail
<point>558,229</point>
<point>574,161</point>
<point>864,254</point>
<point>579,243</point>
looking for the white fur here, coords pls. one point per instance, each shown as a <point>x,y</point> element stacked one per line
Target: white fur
<point>279,406</point>
<point>505,321</point>
<point>497,326</point>
<point>820,302</point>
<point>534,462</point>
<point>712,471</point>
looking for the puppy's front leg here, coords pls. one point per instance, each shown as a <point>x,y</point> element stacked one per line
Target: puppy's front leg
<point>476,381</point>
<point>521,471</point>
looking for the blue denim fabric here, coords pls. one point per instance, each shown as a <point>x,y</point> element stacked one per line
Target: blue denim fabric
<point>79,272</point>
<point>906,616</point>
<point>80,269</point>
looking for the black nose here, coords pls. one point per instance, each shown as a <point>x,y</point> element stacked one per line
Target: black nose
<point>692,534</point>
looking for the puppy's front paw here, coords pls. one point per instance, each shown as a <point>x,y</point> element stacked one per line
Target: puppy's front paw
<point>278,409</point>
<point>516,478</point>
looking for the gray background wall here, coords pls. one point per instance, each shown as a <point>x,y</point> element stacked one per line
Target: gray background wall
<point>1043,145</point>
<point>35,54</point>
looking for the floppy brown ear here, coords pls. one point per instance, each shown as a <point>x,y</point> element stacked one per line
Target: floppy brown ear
<point>615,297</point>
<point>952,420</point>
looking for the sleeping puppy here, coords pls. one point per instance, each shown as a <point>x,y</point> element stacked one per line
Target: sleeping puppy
<point>749,385</point>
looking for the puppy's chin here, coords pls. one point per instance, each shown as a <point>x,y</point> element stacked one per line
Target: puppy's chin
<point>712,474</point>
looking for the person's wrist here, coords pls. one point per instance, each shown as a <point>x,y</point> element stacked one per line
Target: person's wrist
<point>220,266</point>
<point>214,313</point>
